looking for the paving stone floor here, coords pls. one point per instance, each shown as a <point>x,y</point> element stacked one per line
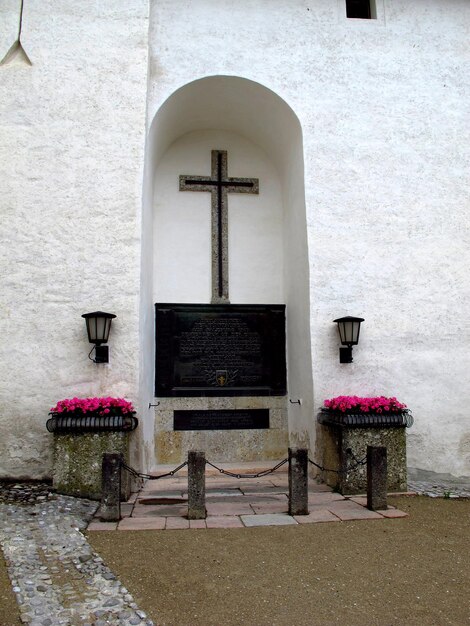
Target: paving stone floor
<point>235,503</point>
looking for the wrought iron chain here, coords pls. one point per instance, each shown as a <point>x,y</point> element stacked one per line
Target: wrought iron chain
<point>362,461</point>
<point>137,474</point>
<point>258,475</point>
<point>355,465</point>
<point>352,467</point>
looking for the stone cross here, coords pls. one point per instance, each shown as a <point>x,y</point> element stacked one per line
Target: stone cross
<point>219,185</point>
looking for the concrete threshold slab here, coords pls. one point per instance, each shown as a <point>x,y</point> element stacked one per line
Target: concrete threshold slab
<point>269,519</point>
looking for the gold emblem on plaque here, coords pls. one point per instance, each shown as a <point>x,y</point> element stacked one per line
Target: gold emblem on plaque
<point>221,376</point>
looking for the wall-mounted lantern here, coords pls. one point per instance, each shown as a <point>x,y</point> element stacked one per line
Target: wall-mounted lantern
<point>348,328</point>
<point>98,325</point>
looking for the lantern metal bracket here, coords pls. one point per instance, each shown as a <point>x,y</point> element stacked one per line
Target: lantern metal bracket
<point>345,355</point>
<point>101,354</point>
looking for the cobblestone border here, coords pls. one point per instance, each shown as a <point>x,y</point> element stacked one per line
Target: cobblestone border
<point>57,578</point>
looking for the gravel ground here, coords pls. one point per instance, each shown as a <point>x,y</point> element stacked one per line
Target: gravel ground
<point>9,613</point>
<point>411,571</point>
<point>403,571</point>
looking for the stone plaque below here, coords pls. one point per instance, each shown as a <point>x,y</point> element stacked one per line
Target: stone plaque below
<point>224,419</point>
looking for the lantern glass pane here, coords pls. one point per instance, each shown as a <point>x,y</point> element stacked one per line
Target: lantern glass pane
<point>341,331</point>
<point>98,329</point>
<point>91,328</point>
<point>349,332</point>
<point>107,328</point>
<point>356,327</point>
<point>349,328</point>
<point>98,325</point>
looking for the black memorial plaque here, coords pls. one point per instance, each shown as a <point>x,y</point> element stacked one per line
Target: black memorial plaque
<point>220,350</point>
<point>224,419</point>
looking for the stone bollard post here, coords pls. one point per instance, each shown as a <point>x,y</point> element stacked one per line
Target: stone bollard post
<point>298,481</point>
<point>110,510</point>
<point>196,485</point>
<point>376,478</point>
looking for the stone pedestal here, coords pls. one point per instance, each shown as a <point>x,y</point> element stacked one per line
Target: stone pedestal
<point>196,485</point>
<point>78,458</point>
<point>298,481</point>
<point>377,486</point>
<point>342,442</point>
<point>110,509</point>
<point>229,446</point>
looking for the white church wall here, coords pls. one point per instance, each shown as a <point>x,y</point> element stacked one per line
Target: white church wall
<point>383,108</point>
<point>146,314</point>
<point>297,296</point>
<point>71,160</point>
<point>391,196</point>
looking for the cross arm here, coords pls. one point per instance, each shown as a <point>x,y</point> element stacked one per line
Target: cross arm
<point>196,183</point>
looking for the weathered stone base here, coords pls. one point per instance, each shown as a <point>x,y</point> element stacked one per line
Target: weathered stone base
<point>222,445</point>
<point>338,439</point>
<point>77,462</point>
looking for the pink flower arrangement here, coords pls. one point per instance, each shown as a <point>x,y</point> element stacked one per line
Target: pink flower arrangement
<point>378,404</point>
<point>93,406</point>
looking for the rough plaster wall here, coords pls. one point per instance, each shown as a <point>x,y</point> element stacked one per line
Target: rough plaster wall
<point>71,159</point>
<point>390,189</point>
<point>384,110</point>
<point>296,282</point>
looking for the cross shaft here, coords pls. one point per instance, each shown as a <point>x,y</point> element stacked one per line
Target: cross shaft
<point>219,185</point>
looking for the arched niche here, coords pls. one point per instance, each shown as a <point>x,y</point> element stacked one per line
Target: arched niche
<point>248,117</point>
